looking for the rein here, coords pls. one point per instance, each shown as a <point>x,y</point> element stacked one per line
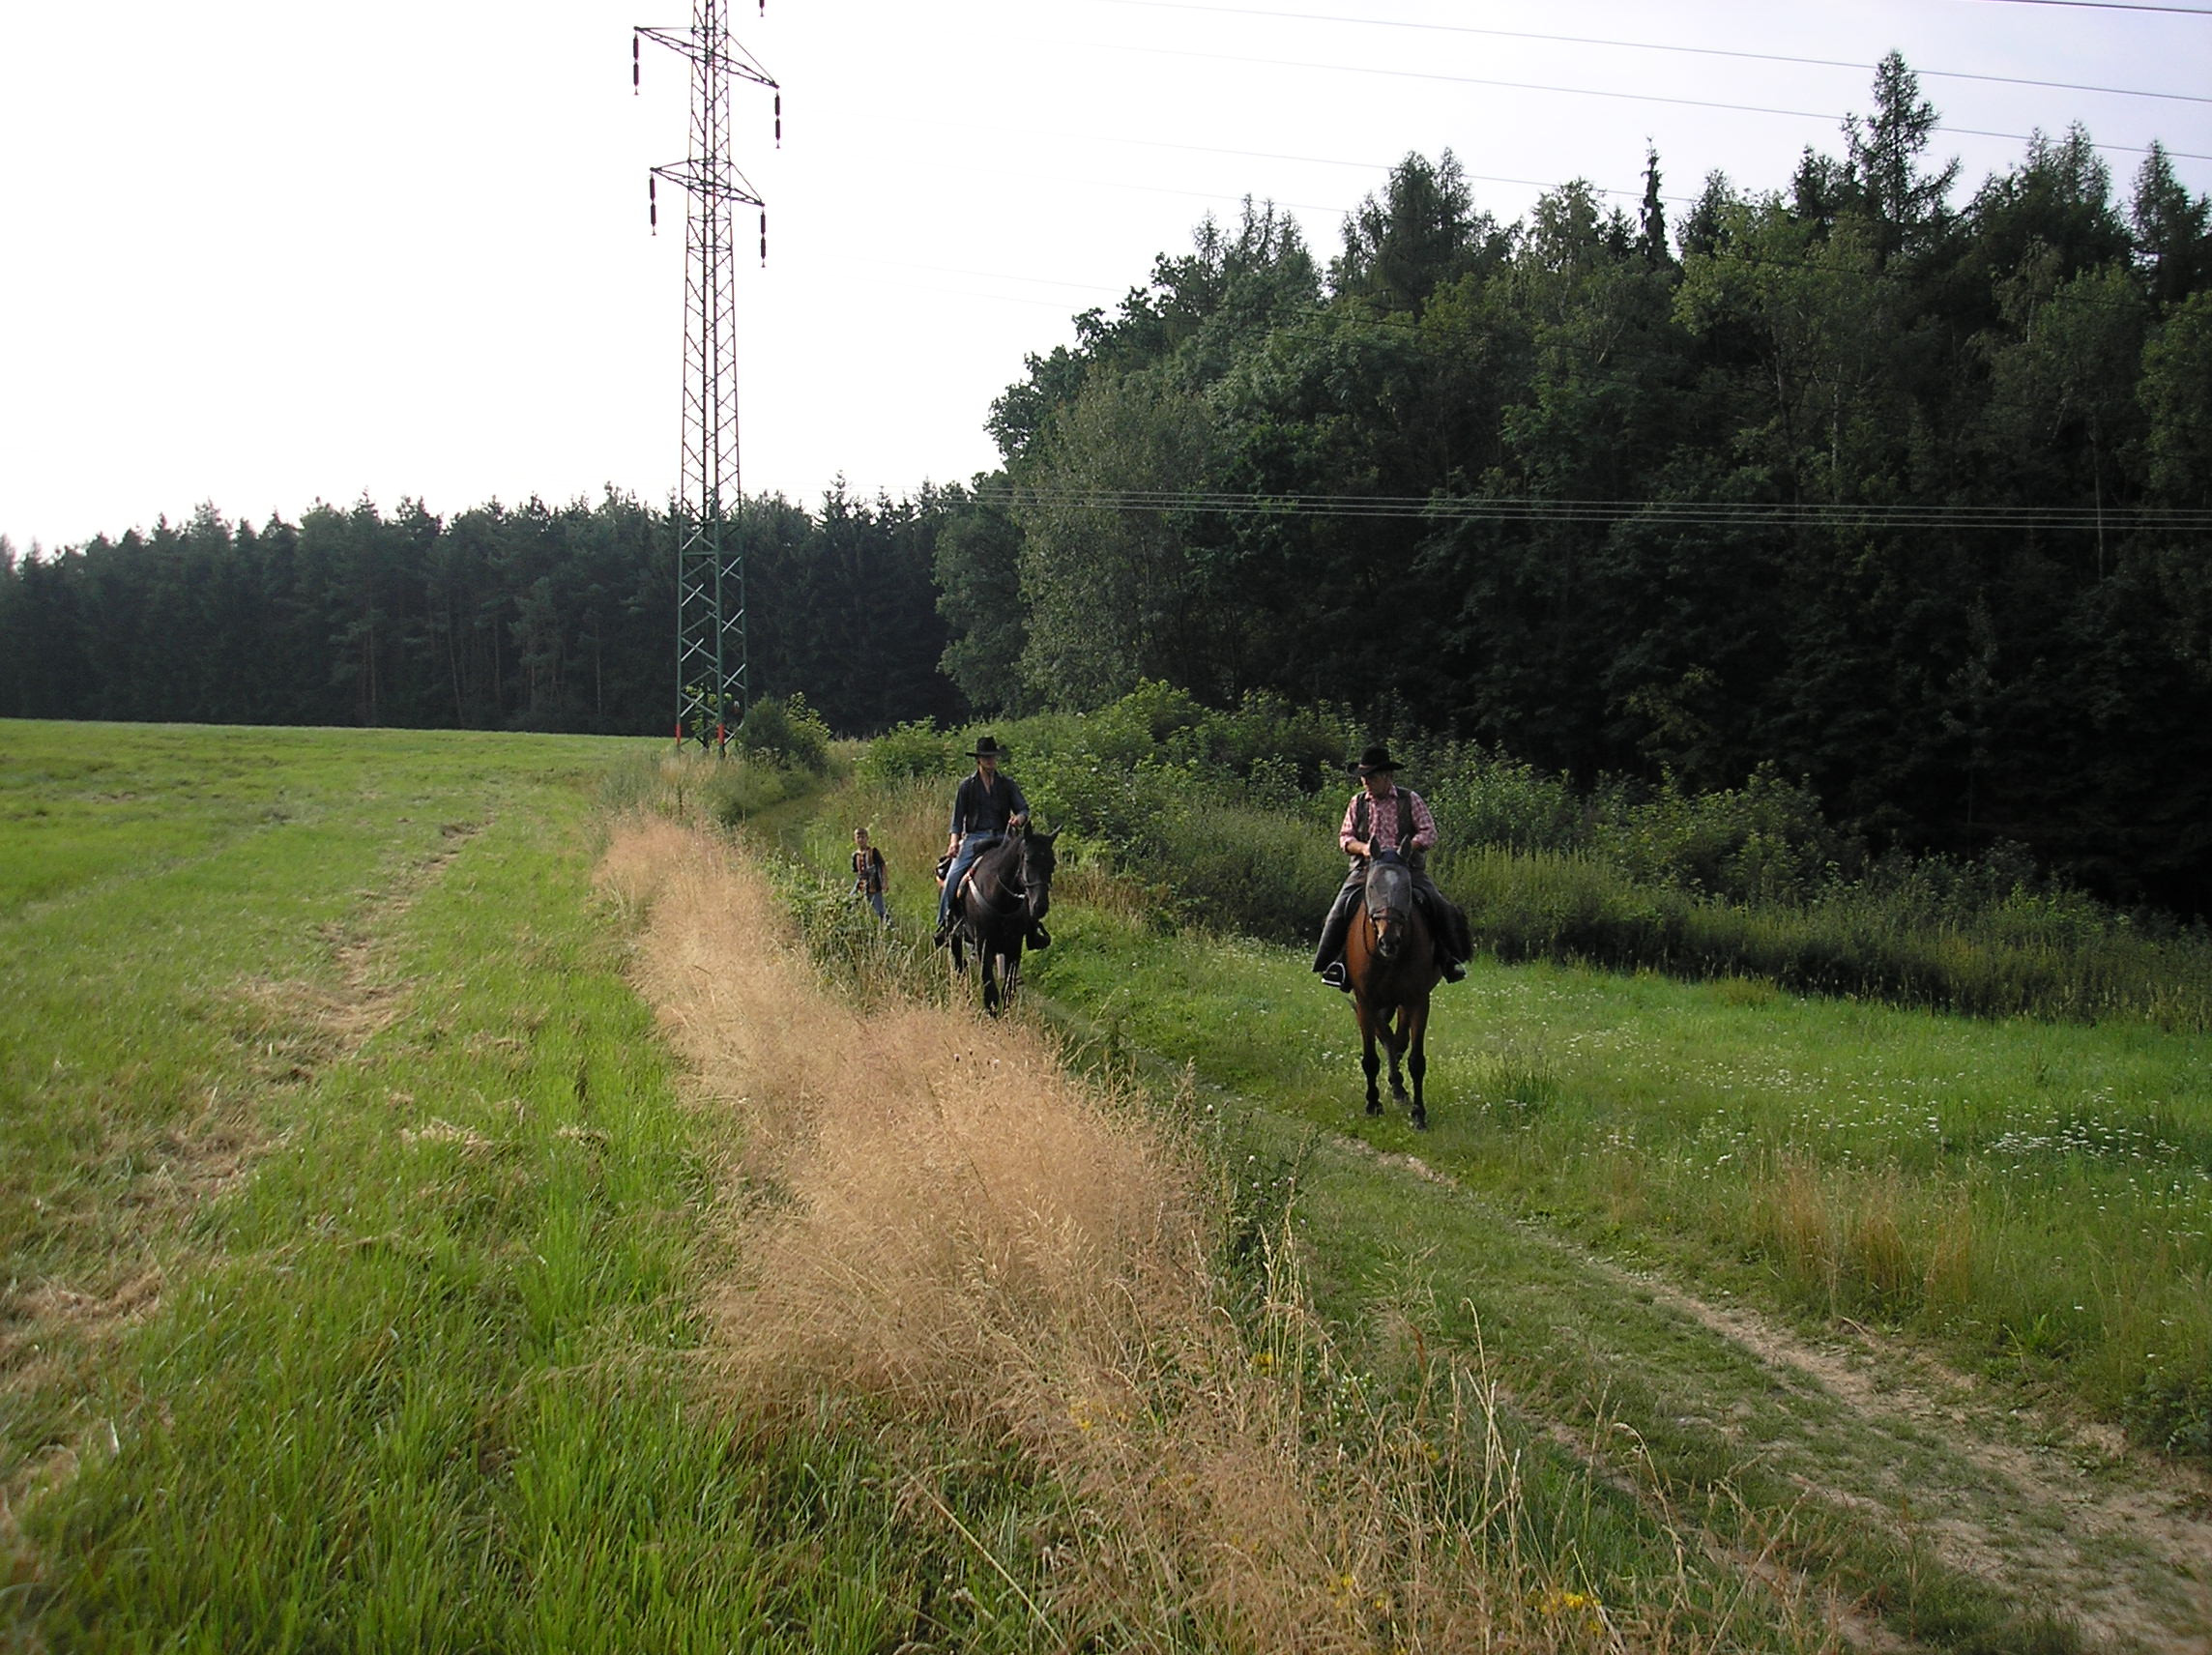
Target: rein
<point>1011,888</point>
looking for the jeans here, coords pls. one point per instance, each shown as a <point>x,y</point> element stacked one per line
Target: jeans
<point>971,845</point>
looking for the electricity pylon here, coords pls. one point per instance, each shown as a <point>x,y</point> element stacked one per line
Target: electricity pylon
<point>712,691</point>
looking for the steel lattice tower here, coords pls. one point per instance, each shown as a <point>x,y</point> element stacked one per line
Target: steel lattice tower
<point>710,678</point>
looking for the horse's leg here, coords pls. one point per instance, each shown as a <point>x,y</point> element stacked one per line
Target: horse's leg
<point>1368,1061</point>
<point>988,958</point>
<point>1417,1019</point>
<point>1013,969</point>
<point>1394,1028</point>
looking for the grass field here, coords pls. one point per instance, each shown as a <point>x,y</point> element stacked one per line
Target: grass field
<point>421,1233</point>
<point>370,1257</point>
<point>2035,1196</point>
<point>2029,1202</point>
<point>352,1227</point>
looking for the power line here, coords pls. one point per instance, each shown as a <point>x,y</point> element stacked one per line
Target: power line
<point>1382,167</point>
<point>1580,92</point>
<point>2115,6</point>
<point>1530,509</point>
<point>1648,45</point>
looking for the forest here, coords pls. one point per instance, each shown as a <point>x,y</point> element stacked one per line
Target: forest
<point>1892,487</point>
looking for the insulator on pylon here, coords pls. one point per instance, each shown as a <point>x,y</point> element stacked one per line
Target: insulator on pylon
<point>779,119</point>
<point>653,203</point>
<point>764,239</point>
<point>633,66</point>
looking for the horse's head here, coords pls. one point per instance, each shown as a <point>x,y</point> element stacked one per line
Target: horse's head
<point>1389,905</point>
<point>1037,862</point>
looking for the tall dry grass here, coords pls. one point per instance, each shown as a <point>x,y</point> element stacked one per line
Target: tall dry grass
<point>934,1223</point>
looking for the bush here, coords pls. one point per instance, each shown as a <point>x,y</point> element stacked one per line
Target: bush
<point>786,732</point>
<point>908,752</point>
<point>1232,815</point>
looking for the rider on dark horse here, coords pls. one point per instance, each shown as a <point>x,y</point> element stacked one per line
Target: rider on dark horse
<point>988,808</point>
<point>1386,819</point>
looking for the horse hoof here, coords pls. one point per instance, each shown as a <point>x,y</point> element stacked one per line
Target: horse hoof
<point>1420,1121</point>
<point>1374,1106</point>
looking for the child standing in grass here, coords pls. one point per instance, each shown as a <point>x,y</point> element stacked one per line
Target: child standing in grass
<point>868,874</point>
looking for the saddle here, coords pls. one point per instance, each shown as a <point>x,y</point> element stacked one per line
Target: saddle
<point>1038,936</point>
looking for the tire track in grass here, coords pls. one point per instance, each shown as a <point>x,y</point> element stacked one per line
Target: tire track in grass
<point>52,1333</point>
<point>2036,1511</point>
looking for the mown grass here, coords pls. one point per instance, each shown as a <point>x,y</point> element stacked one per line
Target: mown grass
<point>353,1241</point>
<point>2035,1196</point>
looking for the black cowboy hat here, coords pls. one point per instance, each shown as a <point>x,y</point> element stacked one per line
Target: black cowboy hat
<point>1375,759</point>
<point>986,748</point>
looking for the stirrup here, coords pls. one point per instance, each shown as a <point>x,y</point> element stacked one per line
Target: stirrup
<point>1333,975</point>
<point>1453,971</point>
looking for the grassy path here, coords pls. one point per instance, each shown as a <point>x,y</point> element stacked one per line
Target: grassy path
<point>1599,1276</point>
<point>1889,1488</point>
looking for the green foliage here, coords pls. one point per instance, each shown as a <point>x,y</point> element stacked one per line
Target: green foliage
<point>785,732</point>
<point>1863,486</point>
<point>1231,818</point>
<point>910,750</point>
<point>532,617</point>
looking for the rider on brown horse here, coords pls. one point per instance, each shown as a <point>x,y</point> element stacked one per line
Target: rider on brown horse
<point>1386,819</point>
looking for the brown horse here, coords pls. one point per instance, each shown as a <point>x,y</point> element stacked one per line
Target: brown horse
<point>1390,962</point>
<point>1001,908</point>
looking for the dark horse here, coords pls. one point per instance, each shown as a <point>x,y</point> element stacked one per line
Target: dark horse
<point>1390,962</point>
<point>1000,906</point>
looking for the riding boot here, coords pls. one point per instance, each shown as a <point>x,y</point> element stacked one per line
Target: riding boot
<point>1333,931</point>
<point>1039,937</point>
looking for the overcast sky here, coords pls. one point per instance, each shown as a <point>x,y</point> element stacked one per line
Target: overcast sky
<point>260,254</point>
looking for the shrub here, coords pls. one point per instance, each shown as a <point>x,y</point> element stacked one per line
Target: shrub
<point>1232,815</point>
<point>910,751</point>
<point>785,732</point>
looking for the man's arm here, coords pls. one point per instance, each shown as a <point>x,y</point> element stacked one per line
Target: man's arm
<point>1352,846</point>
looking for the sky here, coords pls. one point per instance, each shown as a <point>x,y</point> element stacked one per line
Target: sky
<point>257,254</point>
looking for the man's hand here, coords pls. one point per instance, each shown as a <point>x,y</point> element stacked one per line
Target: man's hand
<point>1363,849</point>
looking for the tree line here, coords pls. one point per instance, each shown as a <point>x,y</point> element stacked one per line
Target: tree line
<point>530,618</point>
<point>1907,499</point>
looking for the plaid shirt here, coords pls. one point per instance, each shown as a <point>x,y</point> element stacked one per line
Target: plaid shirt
<point>1382,821</point>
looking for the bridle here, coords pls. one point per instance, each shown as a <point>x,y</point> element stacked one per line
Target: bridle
<point>1022,898</point>
<point>1387,916</point>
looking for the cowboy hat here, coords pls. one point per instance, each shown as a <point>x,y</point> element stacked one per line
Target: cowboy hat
<point>986,748</point>
<point>1375,759</point>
